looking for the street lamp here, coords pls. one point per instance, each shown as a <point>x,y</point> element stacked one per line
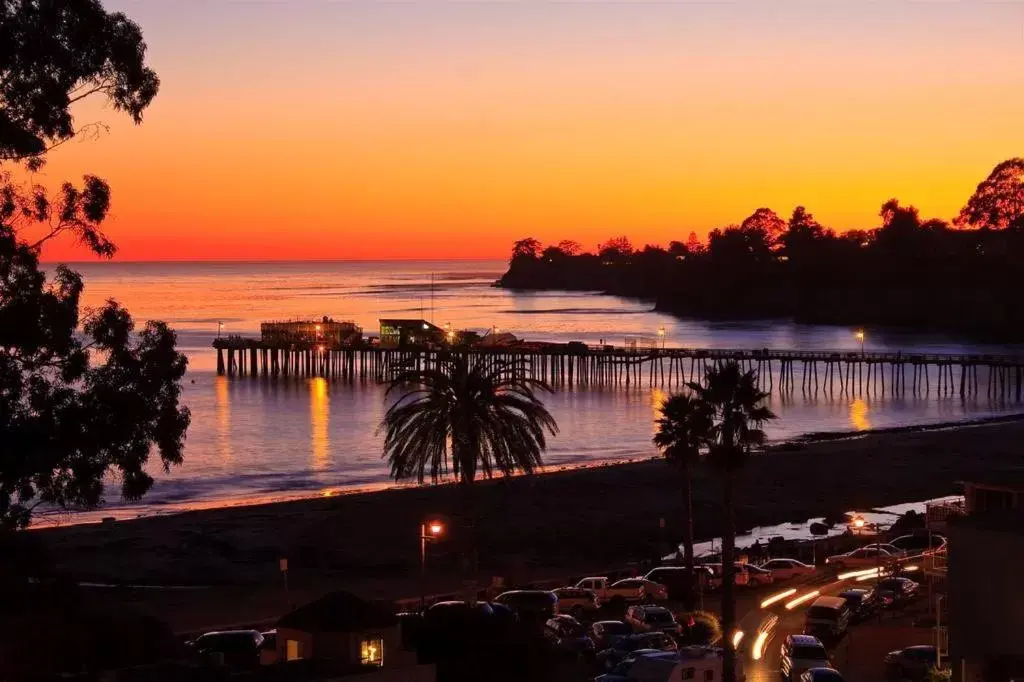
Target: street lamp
<point>220,328</point>
<point>430,531</point>
<point>661,333</point>
<point>859,334</point>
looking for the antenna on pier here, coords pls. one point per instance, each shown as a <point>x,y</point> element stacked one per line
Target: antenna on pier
<point>431,298</point>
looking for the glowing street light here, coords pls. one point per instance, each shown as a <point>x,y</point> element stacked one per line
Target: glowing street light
<point>661,333</point>
<point>859,335</point>
<point>220,328</point>
<point>430,531</point>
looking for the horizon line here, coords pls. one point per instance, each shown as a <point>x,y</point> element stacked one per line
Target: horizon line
<point>115,261</point>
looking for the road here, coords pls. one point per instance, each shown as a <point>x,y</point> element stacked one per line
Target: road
<point>775,621</point>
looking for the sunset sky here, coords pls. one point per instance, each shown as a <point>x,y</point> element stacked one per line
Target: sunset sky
<point>449,129</point>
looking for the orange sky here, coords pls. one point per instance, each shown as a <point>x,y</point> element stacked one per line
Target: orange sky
<point>437,129</point>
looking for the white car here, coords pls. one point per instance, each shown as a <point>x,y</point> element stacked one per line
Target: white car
<point>799,654</point>
<point>865,557</point>
<point>651,619</point>
<point>784,569</point>
<point>891,549</point>
<point>577,601</point>
<point>630,589</point>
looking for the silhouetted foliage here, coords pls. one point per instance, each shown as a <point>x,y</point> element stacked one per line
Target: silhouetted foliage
<point>998,202</point>
<point>528,248</point>
<point>466,418</point>
<point>684,432</point>
<point>81,396</point>
<point>737,413</point>
<point>54,53</point>
<point>903,272</point>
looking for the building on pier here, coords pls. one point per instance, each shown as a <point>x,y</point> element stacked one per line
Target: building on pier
<point>395,333</point>
<point>324,332</point>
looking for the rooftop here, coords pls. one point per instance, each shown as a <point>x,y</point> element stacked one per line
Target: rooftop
<point>338,612</point>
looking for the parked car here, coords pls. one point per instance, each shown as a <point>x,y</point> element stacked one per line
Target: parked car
<point>888,547</point>
<point>801,653</point>
<point>862,603</point>
<point>530,605</point>
<point>784,569</point>
<point>919,543</point>
<point>827,617</point>
<point>740,576</point>
<point>865,557</point>
<point>631,590</point>
<point>689,663</point>
<point>624,646</point>
<point>567,636</point>
<point>896,591</point>
<point>577,601</point>
<point>758,576</point>
<point>821,675</point>
<point>232,648</point>
<point>674,579</point>
<point>606,632</point>
<point>912,663</point>
<point>651,619</point>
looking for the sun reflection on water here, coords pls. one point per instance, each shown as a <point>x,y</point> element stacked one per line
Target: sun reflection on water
<point>319,418</point>
<point>223,402</point>
<point>859,415</point>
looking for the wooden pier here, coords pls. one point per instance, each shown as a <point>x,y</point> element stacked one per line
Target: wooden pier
<point>561,365</point>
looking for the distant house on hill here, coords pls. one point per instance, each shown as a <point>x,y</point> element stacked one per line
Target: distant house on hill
<point>399,332</point>
<point>344,635</point>
<point>326,332</point>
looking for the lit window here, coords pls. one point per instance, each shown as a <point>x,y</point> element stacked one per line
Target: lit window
<point>293,651</point>
<point>372,651</point>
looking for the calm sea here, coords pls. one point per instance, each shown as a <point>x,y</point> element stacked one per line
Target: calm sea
<point>258,440</point>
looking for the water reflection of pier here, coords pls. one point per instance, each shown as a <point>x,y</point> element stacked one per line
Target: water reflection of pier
<point>825,372</point>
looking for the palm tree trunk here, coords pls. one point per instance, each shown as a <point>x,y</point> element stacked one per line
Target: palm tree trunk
<point>469,540</point>
<point>688,532</point>
<point>728,578</point>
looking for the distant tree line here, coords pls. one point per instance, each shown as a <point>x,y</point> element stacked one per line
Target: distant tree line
<point>907,272</point>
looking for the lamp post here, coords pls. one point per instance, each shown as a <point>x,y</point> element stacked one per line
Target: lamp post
<point>220,328</point>
<point>661,333</point>
<point>860,337</point>
<point>430,531</point>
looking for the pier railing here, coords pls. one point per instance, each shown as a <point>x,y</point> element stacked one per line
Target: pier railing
<point>833,372</point>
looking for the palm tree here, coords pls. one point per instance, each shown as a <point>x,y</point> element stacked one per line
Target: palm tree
<point>737,415</point>
<point>485,415</point>
<point>684,430</point>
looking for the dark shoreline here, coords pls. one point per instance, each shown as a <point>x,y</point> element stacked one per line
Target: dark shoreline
<point>531,527</point>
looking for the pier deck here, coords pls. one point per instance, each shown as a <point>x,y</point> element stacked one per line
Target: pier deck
<point>817,371</point>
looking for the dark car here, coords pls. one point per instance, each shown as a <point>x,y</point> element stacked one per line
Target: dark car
<point>674,579</point>
<point>532,606</point>
<point>624,646</point>
<point>862,603</point>
<point>912,663</point>
<point>895,592</point>
<point>233,648</point>
<point>605,632</point>
<point>567,636</point>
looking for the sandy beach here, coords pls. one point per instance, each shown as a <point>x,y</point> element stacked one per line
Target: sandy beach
<point>554,524</point>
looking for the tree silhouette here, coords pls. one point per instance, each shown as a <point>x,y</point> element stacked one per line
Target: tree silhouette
<point>684,433</point>
<point>73,407</point>
<point>998,202</point>
<point>468,419</point>
<point>737,413</point>
<point>529,249</point>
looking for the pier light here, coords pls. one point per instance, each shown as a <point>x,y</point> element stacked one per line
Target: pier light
<point>661,335</point>
<point>435,528</point>
<point>859,335</point>
<point>321,348</point>
<point>426,326</point>
<point>220,328</point>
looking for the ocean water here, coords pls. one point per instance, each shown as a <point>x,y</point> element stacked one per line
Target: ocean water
<point>256,440</point>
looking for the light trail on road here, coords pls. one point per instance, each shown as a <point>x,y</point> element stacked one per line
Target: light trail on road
<point>778,597</point>
<point>790,605</point>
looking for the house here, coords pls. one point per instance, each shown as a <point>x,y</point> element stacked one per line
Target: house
<point>399,332</point>
<point>349,636</point>
<point>305,333</point>
<point>985,600</point>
